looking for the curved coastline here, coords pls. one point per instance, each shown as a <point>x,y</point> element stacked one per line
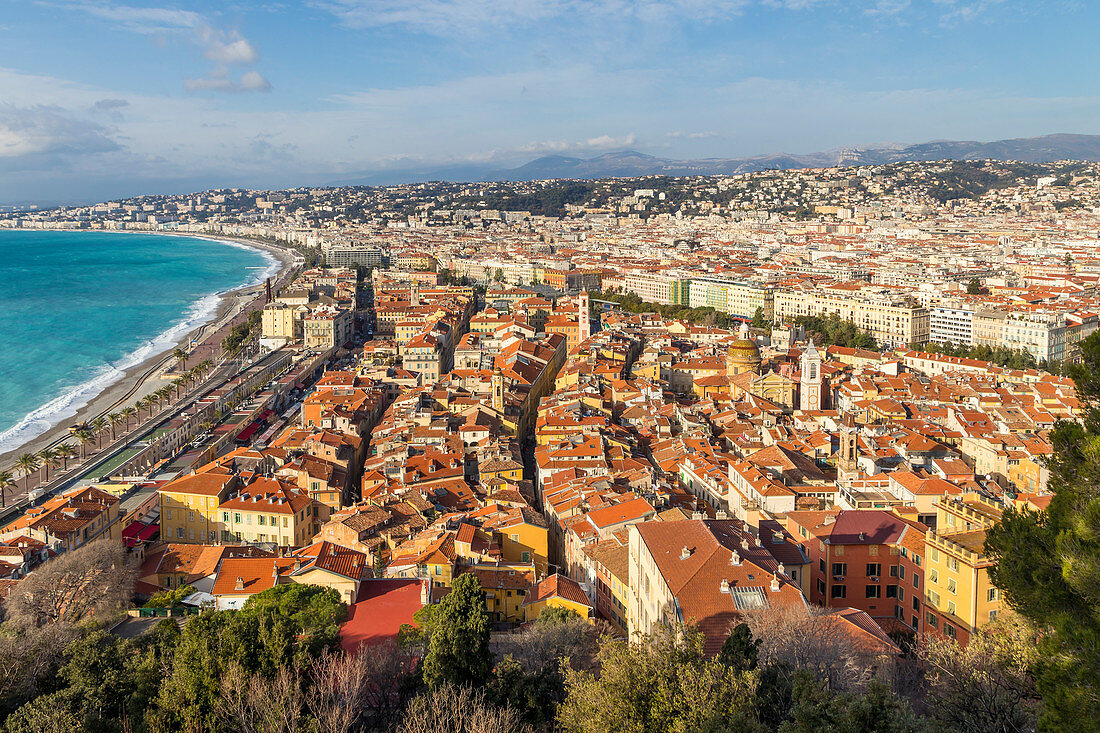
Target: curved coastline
<point>44,425</point>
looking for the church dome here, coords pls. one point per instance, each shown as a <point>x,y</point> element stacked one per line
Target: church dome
<point>742,356</point>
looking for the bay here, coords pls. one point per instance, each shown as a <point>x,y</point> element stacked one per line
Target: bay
<point>77,309</point>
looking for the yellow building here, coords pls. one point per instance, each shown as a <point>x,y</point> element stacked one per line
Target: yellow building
<point>505,588</point>
<point>557,591</point>
<point>268,510</point>
<point>278,324</point>
<point>959,597</point>
<point>523,537</point>
<point>189,506</point>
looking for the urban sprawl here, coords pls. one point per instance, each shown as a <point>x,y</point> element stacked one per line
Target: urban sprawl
<point>689,403</point>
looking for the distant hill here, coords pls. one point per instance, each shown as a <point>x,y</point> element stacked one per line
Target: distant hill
<point>629,163</point>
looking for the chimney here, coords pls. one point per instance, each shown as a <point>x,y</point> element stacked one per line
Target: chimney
<point>782,569</point>
<point>685,553</point>
<point>775,584</point>
<point>696,515</point>
<point>735,558</point>
<point>725,586</point>
<point>240,584</point>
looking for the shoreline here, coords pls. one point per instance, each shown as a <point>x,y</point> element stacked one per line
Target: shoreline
<point>154,371</point>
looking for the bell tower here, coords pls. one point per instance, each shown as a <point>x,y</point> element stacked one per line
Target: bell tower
<point>809,387</point>
<point>498,391</point>
<point>584,321</point>
<point>847,464</point>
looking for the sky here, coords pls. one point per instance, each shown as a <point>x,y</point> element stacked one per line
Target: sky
<point>100,100</point>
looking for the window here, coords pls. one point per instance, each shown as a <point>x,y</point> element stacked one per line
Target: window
<point>525,556</point>
<point>874,569</point>
<point>901,572</point>
<point>952,586</point>
<point>931,620</point>
<point>839,591</point>
<point>933,576</point>
<point>514,537</point>
<point>179,533</point>
<point>916,604</point>
<point>260,519</point>
<point>190,516</point>
<point>274,521</point>
<point>953,564</point>
<point>993,615</point>
<point>840,568</point>
<point>916,581</point>
<point>438,569</point>
<point>916,560</point>
<point>991,594</point>
<point>285,522</point>
<point>237,518</point>
<point>952,608</point>
<point>949,630</point>
<point>893,571</point>
<point>821,586</point>
<point>821,564</point>
<point>891,591</point>
<point>935,555</point>
<point>935,598</point>
<point>168,514</point>
<point>874,591</point>
<point>225,517</point>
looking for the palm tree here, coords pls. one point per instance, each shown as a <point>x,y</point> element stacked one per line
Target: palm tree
<point>128,412</point>
<point>98,426</point>
<point>143,404</point>
<point>66,452</point>
<point>181,357</point>
<point>165,394</point>
<point>154,401</point>
<point>177,386</point>
<point>114,418</point>
<point>27,463</point>
<point>85,437</point>
<point>7,481</point>
<point>47,456</point>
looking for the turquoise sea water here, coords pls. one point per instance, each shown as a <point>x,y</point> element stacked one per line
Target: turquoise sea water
<point>79,308</point>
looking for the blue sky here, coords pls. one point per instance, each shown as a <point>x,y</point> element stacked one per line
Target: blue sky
<point>100,99</point>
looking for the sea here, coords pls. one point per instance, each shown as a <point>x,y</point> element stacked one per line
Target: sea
<point>77,309</point>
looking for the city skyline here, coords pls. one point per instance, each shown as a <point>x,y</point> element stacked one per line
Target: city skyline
<point>103,100</point>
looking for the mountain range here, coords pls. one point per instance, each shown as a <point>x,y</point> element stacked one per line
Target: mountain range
<point>629,163</point>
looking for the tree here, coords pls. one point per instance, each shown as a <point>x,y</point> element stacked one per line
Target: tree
<point>974,287</point>
<point>758,320</point>
<point>1048,563</point>
<point>66,452</point>
<point>451,708</point>
<point>181,357</point>
<point>98,426</point>
<point>740,649</point>
<point>7,481</point>
<point>499,275</point>
<point>47,456</point>
<point>128,413</point>
<point>458,649</point>
<point>85,438</point>
<point>816,708</point>
<point>87,582</point>
<point>114,419</point>
<point>660,682</point>
<point>27,463</point>
<point>986,685</point>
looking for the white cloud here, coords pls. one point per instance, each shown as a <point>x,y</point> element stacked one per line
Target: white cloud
<point>46,136</point>
<point>225,48</point>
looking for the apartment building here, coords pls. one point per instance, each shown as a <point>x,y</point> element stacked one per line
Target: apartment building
<point>951,323</point>
<point>960,597</point>
<point>658,288</point>
<point>890,319</point>
<point>740,299</point>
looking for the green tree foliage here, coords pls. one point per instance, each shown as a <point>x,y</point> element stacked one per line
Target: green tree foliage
<point>169,598</point>
<point>974,287</point>
<point>740,650</point>
<point>831,330</point>
<point>285,626</point>
<point>1048,563</point>
<point>758,320</point>
<point>816,708</point>
<point>701,316</point>
<point>986,685</point>
<point>662,682</point>
<point>999,355</point>
<point>458,649</point>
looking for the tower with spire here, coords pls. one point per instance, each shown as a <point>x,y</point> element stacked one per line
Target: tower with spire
<point>809,386</point>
